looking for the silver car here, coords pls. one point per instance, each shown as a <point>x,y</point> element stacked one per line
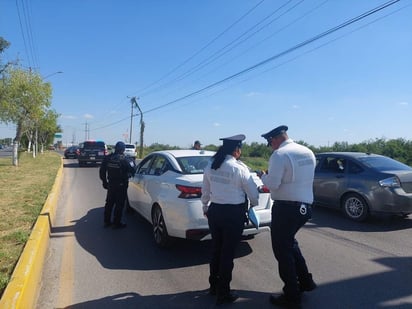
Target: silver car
<point>166,191</point>
<point>362,184</point>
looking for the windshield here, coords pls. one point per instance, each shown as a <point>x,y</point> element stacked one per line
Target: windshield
<point>193,165</point>
<point>384,164</point>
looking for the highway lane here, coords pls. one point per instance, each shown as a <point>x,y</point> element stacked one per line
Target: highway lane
<point>357,265</point>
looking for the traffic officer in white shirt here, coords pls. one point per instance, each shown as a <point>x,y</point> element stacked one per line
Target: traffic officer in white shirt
<point>227,184</point>
<point>290,181</point>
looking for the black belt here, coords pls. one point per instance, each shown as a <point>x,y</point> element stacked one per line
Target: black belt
<point>292,203</point>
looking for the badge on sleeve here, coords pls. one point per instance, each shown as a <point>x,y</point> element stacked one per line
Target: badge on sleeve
<point>303,210</point>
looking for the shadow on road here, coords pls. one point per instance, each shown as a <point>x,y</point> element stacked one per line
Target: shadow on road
<point>390,289</point>
<point>325,217</point>
<point>133,247</point>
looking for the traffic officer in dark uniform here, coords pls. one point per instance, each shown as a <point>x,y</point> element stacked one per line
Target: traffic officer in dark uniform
<point>226,183</point>
<point>115,171</point>
<point>290,181</point>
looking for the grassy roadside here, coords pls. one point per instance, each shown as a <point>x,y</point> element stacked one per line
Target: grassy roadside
<point>23,192</point>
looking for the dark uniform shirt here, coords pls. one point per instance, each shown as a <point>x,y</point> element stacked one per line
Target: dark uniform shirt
<point>117,169</point>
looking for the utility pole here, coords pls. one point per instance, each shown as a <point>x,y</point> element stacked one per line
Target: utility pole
<point>131,121</point>
<point>134,102</point>
<point>86,131</point>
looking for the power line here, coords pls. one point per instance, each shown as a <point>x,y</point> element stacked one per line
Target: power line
<point>227,48</point>
<point>281,54</point>
<point>143,92</point>
<point>270,59</point>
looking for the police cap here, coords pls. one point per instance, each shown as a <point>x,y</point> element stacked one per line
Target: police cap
<point>275,132</point>
<point>233,141</point>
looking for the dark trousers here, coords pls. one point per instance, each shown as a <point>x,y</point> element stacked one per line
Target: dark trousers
<point>287,219</point>
<point>116,197</point>
<point>226,223</point>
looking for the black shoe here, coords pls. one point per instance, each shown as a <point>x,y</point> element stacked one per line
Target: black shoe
<point>119,226</point>
<point>227,299</point>
<point>283,302</point>
<point>307,286</point>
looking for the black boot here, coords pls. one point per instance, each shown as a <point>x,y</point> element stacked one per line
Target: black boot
<point>307,284</point>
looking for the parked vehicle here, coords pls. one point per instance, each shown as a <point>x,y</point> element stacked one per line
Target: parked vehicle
<point>130,150</point>
<point>91,152</point>
<point>71,152</point>
<point>166,191</point>
<point>362,184</point>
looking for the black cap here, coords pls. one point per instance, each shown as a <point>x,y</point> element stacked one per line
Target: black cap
<point>197,143</point>
<point>233,141</point>
<point>275,132</point>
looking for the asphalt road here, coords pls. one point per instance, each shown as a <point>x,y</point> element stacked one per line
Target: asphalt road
<point>356,265</point>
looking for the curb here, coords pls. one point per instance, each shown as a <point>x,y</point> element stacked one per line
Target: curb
<point>23,288</point>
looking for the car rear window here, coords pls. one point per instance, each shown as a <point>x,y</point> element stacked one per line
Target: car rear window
<point>94,145</point>
<point>384,164</point>
<point>193,165</point>
<point>130,146</point>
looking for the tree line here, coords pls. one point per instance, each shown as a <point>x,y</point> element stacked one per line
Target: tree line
<point>399,149</point>
<point>25,101</point>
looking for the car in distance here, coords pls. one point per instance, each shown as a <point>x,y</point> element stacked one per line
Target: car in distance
<point>166,191</point>
<point>130,150</point>
<point>71,152</point>
<point>91,151</point>
<point>362,184</point>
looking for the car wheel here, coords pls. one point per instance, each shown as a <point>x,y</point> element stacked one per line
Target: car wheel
<point>355,207</point>
<point>160,234</point>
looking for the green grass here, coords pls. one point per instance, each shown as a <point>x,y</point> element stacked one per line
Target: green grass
<point>255,163</point>
<point>23,192</point>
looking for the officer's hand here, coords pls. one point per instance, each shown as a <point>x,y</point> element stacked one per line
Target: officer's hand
<point>105,185</point>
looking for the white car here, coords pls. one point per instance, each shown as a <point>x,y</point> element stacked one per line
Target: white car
<point>130,150</point>
<point>166,191</point>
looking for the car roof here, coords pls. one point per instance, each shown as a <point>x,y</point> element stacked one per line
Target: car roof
<point>184,152</point>
<point>349,154</point>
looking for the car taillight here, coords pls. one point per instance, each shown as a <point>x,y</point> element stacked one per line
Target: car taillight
<point>189,192</point>
<point>391,182</point>
<point>263,189</point>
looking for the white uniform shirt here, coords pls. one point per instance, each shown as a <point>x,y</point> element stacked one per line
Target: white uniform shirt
<point>229,184</point>
<point>291,172</point>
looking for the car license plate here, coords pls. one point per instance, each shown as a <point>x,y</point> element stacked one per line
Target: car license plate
<point>92,158</point>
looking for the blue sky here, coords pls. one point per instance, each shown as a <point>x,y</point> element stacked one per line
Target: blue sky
<point>194,65</point>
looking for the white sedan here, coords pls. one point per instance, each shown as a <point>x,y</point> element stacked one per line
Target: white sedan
<point>166,191</point>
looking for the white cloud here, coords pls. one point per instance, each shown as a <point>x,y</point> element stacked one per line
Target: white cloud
<point>216,124</point>
<point>253,94</point>
<point>88,116</point>
<point>404,103</point>
<point>68,117</point>
<point>295,106</point>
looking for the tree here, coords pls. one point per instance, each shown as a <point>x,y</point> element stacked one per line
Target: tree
<point>25,100</point>
<point>47,128</point>
<point>3,46</point>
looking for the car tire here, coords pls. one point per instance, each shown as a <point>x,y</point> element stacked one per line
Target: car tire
<point>355,207</point>
<point>161,237</point>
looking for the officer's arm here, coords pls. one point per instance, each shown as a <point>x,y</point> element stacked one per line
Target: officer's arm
<point>103,171</point>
